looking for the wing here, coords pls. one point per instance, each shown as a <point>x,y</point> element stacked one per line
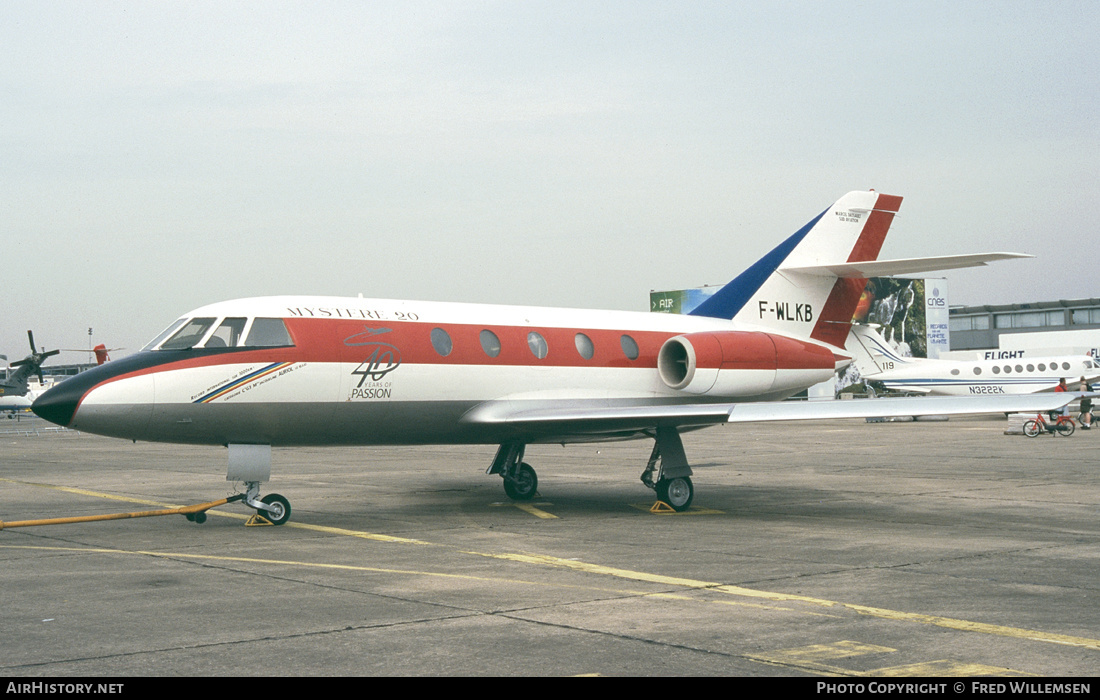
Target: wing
<point>565,420</point>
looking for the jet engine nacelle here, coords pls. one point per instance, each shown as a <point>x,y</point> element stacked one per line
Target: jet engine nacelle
<point>742,363</point>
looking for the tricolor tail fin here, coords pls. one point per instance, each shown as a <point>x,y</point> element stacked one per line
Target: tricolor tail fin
<point>791,291</point>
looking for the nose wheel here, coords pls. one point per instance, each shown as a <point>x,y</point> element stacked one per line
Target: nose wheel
<point>278,509</point>
<point>273,507</point>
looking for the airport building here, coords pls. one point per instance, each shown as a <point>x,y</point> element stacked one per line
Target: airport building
<point>1063,326</point>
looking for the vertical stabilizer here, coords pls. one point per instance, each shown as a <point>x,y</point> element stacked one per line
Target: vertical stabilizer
<point>871,353</point>
<point>816,305</point>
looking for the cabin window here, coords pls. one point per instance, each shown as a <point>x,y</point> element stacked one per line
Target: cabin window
<point>977,370</point>
<point>630,347</point>
<point>268,333</point>
<point>955,372</point>
<point>191,333</point>
<point>538,345</point>
<point>1019,368</point>
<point>1065,365</point>
<point>1042,367</point>
<point>490,343</point>
<point>1031,368</point>
<point>996,369</point>
<point>1008,369</point>
<point>227,334</point>
<point>441,341</point>
<point>585,348</point>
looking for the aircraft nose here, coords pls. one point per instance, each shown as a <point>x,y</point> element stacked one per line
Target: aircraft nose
<point>58,405</point>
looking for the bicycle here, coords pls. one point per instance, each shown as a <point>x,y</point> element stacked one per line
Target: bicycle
<point>1061,425</point>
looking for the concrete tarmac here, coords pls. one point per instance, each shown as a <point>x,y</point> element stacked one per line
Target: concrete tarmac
<point>830,548</point>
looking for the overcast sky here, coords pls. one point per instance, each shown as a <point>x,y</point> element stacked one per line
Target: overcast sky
<point>160,156</point>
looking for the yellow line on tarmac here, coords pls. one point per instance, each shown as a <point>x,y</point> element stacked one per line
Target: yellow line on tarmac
<point>528,508</point>
<point>935,620</point>
<point>628,574</point>
<point>238,516</point>
<point>342,567</point>
<point>356,533</point>
<point>85,492</point>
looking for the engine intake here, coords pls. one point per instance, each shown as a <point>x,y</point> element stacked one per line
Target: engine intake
<point>742,363</point>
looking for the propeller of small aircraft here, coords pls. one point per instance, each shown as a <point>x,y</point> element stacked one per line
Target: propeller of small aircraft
<point>36,358</point>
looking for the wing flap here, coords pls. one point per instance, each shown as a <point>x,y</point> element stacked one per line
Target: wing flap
<point>554,417</point>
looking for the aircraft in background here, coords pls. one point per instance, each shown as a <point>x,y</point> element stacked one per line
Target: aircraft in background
<point>100,351</point>
<point>12,404</point>
<point>15,391</point>
<point>878,360</point>
<point>255,373</point>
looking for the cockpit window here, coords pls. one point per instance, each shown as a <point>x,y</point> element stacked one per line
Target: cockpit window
<point>191,333</point>
<point>268,332</point>
<point>167,332</point>
<point>188,333</point>
<point>227,335</point>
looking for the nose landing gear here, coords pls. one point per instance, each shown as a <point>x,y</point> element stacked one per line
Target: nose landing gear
<point>252,465</point>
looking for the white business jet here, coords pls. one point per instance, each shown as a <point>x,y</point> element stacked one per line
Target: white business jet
<point>257,373</point>
<point>879,360</point>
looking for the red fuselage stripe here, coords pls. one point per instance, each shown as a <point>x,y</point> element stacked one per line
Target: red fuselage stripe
<point>356,341</point>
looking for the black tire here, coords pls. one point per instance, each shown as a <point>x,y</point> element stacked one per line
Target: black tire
<point>678,492</point>
<point>1031,428</point>
<point>1066,428</point>
<point>281,512</point>
<point>525,484</point>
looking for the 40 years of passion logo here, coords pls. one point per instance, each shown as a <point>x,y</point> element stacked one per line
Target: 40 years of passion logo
<point>382,358</point>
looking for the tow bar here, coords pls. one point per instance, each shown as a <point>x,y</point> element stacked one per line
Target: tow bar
<point>195,513</point>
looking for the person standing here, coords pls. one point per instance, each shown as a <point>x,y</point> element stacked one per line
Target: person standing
<point>1060,388</point>
<point>1086,407</point>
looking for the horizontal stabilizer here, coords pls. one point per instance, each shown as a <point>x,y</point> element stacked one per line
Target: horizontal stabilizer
<point>906,266</point>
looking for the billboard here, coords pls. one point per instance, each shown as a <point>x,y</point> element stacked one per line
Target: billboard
<point>911,313</point>
<point>679,301</point>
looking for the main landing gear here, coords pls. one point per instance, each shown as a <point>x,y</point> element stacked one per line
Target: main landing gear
<point>667,471</point>
<point>672,478</point>
<point>520,481</point>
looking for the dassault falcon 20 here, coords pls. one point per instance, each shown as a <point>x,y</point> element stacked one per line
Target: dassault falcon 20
<point>255,373</point>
